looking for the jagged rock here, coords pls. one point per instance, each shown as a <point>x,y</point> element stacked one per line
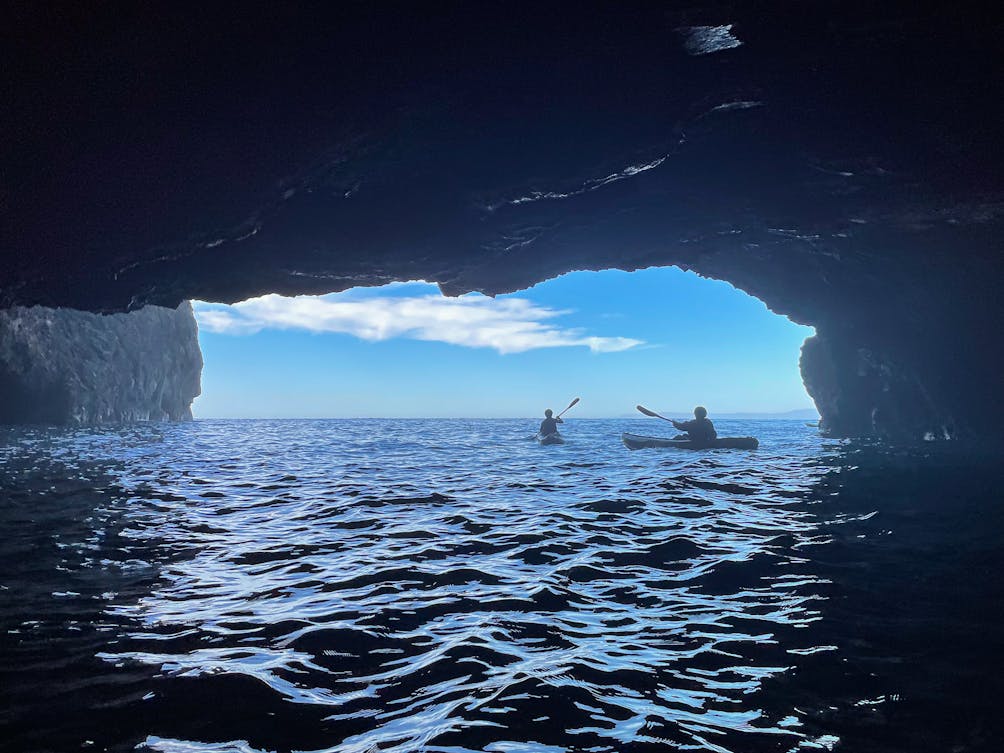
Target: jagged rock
<point>60,366</point>
<point>859,392</point>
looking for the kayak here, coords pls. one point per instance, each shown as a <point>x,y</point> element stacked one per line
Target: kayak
<point>551,439</point>
<point>638,442</point>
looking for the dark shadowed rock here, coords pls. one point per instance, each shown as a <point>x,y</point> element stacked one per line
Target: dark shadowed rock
<point>841,162</point>
<point>59,366</point>
<point>860,392</point>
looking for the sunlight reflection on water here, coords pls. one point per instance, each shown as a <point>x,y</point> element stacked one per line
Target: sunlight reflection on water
<point>449,586</point>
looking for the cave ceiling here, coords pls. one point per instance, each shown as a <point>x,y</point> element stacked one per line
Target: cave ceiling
<point>153,156</point>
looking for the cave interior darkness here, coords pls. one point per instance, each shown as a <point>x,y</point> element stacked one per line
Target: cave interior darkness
<point>843,165</point>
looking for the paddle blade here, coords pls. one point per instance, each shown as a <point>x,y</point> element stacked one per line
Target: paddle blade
<point>653,414</point>
<point>568,408</point>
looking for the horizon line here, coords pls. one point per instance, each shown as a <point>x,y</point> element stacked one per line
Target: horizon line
<point>780,416</point>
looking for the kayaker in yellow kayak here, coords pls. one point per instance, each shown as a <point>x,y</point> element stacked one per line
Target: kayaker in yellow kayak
<point>700,429</point>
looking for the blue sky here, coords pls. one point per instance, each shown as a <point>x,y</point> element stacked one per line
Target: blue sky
<point>661,337</point>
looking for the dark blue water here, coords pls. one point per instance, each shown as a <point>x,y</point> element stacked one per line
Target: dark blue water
<point>450,586</point>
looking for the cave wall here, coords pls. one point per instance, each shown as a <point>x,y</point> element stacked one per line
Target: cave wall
<point>861,392</point>
<point>67,367</point>
<point>842,163</point>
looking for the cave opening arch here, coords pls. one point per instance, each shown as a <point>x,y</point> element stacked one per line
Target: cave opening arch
<point>657,335</point>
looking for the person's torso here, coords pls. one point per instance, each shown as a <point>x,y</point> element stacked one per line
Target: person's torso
<point>701,428</point>
<point>548,426</point>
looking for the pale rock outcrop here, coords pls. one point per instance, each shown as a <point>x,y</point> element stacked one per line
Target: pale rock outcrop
<point>61,366</point>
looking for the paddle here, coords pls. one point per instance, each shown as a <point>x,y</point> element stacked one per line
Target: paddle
<point>652,413</point>
<point>570,405</point>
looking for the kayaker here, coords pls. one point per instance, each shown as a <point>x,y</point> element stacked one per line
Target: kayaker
<point>700,429</point>
<point>549,425</point>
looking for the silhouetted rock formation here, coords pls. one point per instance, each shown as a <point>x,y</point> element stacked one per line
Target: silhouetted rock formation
<point>840,162</point>
<point>59,366</point>
<point>860,392</point>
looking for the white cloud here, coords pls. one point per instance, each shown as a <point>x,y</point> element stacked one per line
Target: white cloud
<point>509,325</point>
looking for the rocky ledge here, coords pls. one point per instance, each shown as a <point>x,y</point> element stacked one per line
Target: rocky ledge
<point>60,366</point>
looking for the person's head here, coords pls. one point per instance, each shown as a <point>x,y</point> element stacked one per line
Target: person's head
<point>700,412</point>
<point>548,412</point>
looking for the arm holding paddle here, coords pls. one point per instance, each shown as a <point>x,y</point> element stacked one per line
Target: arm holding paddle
<point>700,429</point>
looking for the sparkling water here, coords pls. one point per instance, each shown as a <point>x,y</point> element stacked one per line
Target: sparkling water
<point>451,585</point>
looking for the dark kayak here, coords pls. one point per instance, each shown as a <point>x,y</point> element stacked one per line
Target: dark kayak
<point>551,439</point>
<point>639,442</point>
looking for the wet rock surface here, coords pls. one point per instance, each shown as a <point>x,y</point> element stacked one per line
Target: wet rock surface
<point>60,366</point>
<point>842,164</point>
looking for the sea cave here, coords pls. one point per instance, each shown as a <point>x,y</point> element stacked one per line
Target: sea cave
<point>362,585</point>
<point>834,166</point>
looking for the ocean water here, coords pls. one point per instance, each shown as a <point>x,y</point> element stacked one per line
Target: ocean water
<point>419,585</point>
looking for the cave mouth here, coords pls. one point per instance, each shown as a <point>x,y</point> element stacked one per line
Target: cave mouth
<point>660,336</point>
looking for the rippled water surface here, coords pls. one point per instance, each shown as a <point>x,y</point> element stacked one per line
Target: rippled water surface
<point>450,586</point>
